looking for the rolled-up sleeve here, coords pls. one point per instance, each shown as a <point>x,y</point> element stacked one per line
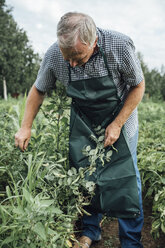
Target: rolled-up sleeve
<point>131,70</point>
<point>46,78</point>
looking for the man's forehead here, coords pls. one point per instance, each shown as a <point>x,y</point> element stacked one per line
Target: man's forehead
<point>73,51</point>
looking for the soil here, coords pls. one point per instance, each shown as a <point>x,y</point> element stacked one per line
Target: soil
<point>110,238</point>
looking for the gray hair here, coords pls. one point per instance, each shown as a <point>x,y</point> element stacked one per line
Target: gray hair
<point>73,26</point>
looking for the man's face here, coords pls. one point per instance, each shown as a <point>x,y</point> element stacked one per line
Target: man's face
<point>78,55</point>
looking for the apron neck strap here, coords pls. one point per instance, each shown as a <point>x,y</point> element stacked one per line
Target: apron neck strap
<point>105,61</point>
<point>69,70</point>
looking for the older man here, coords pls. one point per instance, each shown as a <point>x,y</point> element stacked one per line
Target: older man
<point>103,76</point>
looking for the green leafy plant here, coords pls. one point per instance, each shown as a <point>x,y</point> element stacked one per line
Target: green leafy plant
<point>98,153</point>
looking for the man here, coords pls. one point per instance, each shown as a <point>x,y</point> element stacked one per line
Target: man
<point>103,76</point>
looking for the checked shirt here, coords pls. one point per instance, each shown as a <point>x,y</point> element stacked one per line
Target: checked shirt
<point>123,64</point>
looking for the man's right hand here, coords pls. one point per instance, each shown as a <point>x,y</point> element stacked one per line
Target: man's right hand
<point>22,138</point>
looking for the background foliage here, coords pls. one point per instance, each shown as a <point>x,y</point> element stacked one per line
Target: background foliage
<point>18,62</point>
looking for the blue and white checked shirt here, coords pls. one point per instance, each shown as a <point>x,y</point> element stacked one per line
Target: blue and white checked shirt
<point>123,65</point>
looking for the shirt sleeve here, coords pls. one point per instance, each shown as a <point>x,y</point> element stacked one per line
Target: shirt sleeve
<point>46,79</point>
<point>131,70</point>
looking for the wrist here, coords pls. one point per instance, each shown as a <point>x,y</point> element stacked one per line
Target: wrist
<point>118,122</point>
<point>26,126</point>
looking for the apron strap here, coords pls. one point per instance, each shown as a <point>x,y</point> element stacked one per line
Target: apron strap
<point>69,70</point>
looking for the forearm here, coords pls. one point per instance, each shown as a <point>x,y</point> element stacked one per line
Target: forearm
<point>133,99</point>
<point>34,100</point>
<point>113,130</point>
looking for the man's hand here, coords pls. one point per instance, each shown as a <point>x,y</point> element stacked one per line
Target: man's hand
<point>34,100</point>
<point>22,138</point>
<point>112,134</point>
<point>113,130</point>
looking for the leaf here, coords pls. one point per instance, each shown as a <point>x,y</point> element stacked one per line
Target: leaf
<point>70,173</point>
<point>163,227</point>
<point>163,180</point>
<point>109,153</point>
<point>27,196</point>
<point>19,210</point>
<point>56,174</point>
<point>87,148</point>
<point>8,191</point>
<point>90,185</point>
<point>69,180</point>
<point>40,230</point>
<point>92,152</point>
<point>46,203</point>
<point>61,160</point>
<point>156,197</point>
<point>69,244</point>
<point>98,128</point>
<point>74,170</point>
<point>64,120</point>
<point>52,232</point>
<point>93,137</point>
<point>7,240</point>
<point>55,210</point>
<point>101,138</point>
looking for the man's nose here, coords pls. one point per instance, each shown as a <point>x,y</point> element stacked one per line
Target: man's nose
<point>73,63</point>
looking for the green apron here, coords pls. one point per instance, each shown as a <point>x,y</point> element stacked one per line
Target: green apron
<point>95,102</point>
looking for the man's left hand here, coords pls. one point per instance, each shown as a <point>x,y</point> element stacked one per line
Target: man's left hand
<point>112,134</point>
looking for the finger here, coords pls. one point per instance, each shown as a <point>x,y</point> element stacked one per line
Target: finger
<point>107,142</point>
<point>21,145</point>
<point>26,144</point>
<point>16,141</point>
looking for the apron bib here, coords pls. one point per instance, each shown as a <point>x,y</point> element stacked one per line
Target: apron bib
<point>95,102</point>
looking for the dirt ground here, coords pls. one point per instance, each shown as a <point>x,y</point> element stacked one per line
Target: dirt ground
<point>110,237</point>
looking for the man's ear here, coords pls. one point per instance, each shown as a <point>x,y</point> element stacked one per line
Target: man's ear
<point>94,45</point>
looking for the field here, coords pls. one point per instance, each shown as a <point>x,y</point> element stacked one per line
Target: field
<point>42,199</point>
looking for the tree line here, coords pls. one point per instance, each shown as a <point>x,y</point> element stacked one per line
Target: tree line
<point>19,64</point>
